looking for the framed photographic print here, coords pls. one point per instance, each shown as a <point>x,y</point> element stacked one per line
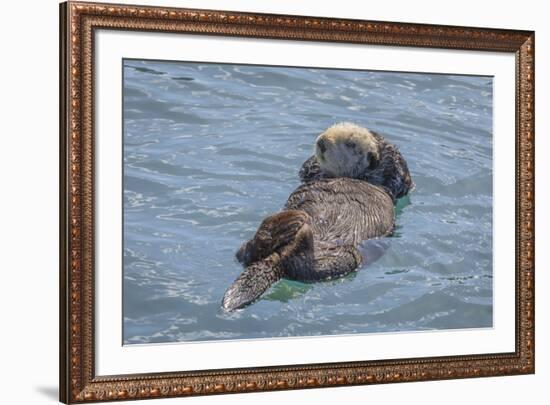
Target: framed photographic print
<point>262,202</point>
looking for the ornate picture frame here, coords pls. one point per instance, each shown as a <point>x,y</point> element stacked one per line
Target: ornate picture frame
<point>78,379</point>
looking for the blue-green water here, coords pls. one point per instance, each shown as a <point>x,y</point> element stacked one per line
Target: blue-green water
<point>210,150</point>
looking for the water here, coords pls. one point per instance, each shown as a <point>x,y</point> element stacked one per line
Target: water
<point>210,150</point>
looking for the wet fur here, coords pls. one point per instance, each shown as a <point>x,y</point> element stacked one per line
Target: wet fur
<point>316,235</point>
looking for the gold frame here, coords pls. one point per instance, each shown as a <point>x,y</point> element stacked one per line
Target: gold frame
<point>78,381</point>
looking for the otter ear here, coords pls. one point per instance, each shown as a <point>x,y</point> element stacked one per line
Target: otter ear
<point>373,160</point>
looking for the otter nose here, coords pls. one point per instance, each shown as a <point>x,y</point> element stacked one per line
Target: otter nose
<point>322,144</point>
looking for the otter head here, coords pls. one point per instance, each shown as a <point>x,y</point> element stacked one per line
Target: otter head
<point>347,150</point>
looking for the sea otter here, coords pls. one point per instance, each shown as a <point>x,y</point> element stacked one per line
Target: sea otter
<point>347,195</point>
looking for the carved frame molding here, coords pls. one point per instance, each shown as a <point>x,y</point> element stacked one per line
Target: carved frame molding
<point>78,21</point>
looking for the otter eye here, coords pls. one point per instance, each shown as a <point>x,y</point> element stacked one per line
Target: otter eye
<point>350,144</point>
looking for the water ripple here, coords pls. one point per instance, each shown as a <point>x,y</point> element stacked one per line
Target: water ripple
<point>210,150</point>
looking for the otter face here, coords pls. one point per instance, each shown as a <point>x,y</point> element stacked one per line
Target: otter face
<point>346,150</point>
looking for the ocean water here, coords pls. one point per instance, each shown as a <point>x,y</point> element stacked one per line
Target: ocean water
<point>212,149</point>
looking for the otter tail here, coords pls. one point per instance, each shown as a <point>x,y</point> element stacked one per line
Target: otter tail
<point>253,281</point>
<point>281,243</point>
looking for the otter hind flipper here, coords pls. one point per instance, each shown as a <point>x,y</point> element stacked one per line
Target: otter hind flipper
<point>336,261</point>
<point>274,233</point>
<point>284,241</point>
<point>329,262</point>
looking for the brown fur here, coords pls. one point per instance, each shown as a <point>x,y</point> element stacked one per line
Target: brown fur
<point>314,238</point>
<point>346,197</point>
